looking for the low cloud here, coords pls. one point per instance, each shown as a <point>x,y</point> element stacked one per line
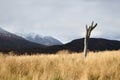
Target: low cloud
<point>63,19</point>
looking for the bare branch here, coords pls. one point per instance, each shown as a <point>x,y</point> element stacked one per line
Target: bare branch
<point>86,27</point>
<point>86,40</point>
<point>95,25</point>
<point>92,23</point>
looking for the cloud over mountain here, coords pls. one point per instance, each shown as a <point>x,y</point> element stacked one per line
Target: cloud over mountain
<point>63,19</point>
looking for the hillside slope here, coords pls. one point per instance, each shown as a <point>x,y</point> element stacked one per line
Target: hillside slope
<point>12,42</point>
<point>95,44</point>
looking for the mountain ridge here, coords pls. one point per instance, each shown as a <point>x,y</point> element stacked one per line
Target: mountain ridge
<point>45,40</point>
<point>95,44</point>
<point>12,42</point>
<point>20,45</point>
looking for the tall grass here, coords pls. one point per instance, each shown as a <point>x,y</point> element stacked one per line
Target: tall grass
<point>62,66</point>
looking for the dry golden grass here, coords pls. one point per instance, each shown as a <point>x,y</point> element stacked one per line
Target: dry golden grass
<point>62,66</point>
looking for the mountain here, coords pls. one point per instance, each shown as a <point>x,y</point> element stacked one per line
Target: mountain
<point>47,40</point>
<point>95,44</point>
<point>12,42</point>
<point>6,34</point>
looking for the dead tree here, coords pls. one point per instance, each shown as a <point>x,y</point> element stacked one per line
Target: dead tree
<point>86,39</point>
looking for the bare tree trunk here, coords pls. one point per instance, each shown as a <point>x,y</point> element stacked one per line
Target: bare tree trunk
<point>85,46</point>
<point>86,39</point>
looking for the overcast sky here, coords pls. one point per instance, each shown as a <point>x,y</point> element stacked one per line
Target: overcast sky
<point>62,19</point>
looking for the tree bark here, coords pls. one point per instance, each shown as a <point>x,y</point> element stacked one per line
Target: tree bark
<point>86,39</point>
<point>85,46</point>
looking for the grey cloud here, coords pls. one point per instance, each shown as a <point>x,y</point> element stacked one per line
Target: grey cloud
<point>63,19</point>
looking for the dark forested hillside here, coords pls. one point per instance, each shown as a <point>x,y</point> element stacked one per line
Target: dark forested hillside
<point>95,44</point>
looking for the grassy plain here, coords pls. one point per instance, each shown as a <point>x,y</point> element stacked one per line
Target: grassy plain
<point>61,66</point>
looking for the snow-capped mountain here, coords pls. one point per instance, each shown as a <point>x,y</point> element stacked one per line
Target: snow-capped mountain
<point>13,42</point>
<point>45,40</point>
<point>6,34</point>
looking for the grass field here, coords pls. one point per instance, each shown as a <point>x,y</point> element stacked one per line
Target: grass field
<point>62,66</point>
